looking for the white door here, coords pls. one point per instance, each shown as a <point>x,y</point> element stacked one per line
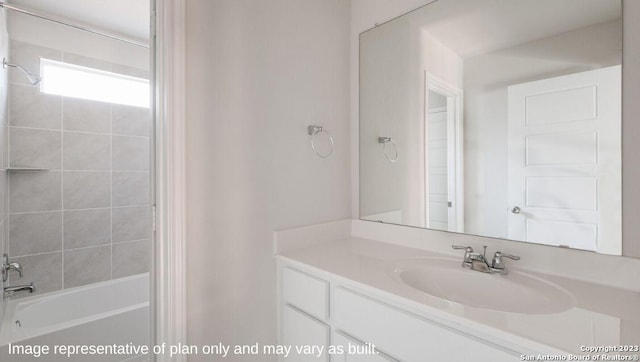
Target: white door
<point>439,202</point>
<point>565,161</point>
<point>443,127</point>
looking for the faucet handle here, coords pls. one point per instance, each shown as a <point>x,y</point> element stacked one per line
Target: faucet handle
<point>498,263</point>
<point>14,266</point>
<point>467,254</point>
<point>9,266</point>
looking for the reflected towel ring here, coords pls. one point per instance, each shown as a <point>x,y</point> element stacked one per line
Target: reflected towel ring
<point>385,141</point>
<point>313,131</point>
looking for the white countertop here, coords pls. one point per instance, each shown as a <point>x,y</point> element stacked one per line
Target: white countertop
<point>602,316</point>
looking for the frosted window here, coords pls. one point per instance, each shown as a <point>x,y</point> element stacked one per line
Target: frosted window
<point>75,81</point>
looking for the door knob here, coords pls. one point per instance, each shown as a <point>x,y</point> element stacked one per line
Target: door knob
<point>515,210</point>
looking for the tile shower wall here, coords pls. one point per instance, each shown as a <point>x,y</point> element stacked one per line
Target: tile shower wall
<point>4,146</point>
<point>85,220</point>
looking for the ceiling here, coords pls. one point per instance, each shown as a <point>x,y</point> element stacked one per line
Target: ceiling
<point>123,17</point>
<point>473,27</point>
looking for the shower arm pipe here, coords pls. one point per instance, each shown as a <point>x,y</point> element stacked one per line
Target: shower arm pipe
<point>76,26</point>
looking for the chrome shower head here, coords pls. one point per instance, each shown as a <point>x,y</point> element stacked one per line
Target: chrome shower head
<point>33,79</point>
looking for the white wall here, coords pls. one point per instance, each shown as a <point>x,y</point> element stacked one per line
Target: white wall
<point>366,13</point>
<point>36,31</point>
<point>390,76</point>
<point>392,103</point>
<point>258,72</point>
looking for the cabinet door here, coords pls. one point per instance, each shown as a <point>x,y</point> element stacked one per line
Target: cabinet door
<point>350,353</point>
<point>302,330</point>
<point>409,337</point>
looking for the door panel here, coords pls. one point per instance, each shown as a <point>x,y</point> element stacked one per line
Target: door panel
<point>565,161</point>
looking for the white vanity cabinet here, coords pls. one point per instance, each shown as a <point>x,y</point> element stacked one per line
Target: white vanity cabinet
<point>305,311</point>
<point>321,310</point>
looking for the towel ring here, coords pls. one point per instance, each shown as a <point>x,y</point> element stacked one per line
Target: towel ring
<point>315,130</point>
<point>385,141</point>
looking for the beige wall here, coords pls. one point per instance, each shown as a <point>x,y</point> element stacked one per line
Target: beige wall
<point>258,72</point>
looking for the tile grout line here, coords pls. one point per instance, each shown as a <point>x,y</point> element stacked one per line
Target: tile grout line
<point>7,235</point>
<point>62,182</point>
<point>83,209</point>
<point>75,249</point>
<point>111,191</point>
<point>107,134</point>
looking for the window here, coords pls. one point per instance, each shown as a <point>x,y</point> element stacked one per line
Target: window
<point>75,81</point>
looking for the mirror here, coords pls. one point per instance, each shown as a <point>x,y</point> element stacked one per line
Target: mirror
<point>496,118</point>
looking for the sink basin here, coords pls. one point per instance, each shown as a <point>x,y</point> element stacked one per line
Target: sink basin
<point>515,292</point>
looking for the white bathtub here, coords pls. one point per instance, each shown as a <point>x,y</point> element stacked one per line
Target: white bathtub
<point>111,312</point>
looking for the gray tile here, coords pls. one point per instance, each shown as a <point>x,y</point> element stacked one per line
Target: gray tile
<point>86,61</point>
<point>131,223</point>
<point>44,270</point>
<point>4,146</point>
<point>130,71</point>
<point>86,115</point>
<point>4,97</point>
<point>130,188</point>
<point>4,194</point>
<point>129,120</point>
<point>35,191</point>
<point>131,258</point>
<point>4,239</point>
<point>87,228</point>
<point>28,107</point>
<point>28,56</point>
<point>35,233</point>
<point>130,153</point>
<point>86,189</point>
<point>35,148</point>
<point>86,266</point>
<point>86,151</point>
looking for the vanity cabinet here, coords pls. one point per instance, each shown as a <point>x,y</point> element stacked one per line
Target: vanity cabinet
<point>301,329</point>
<point>320,310</point>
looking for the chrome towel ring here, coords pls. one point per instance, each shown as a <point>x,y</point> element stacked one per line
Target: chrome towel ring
<point>313,131</point>
<point>385,141</point>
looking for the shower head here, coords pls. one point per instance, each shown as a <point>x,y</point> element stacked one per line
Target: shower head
<point>33,79</point>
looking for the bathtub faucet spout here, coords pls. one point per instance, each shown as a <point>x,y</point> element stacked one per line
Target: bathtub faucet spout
<point>11,291</point>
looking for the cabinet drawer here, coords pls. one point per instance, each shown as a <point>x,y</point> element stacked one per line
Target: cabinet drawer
<point>409,337</point>
<point>306,292</point>
<point>301,329</point>
<point>342,339</point>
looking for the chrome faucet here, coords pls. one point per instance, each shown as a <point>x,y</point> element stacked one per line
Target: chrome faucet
<point>478,262</point>
<point>9,266</point>
<point>11,291</point>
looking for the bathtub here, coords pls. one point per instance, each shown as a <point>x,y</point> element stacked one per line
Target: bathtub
<point>111,312</point>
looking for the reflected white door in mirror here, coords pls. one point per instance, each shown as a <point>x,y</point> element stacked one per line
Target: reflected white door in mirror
<point>565,161</point>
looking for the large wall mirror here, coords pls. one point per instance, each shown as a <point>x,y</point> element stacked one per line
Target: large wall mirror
<point>496,118</point>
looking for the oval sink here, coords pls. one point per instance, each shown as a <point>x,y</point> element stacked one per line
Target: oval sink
<point>515,292</point>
